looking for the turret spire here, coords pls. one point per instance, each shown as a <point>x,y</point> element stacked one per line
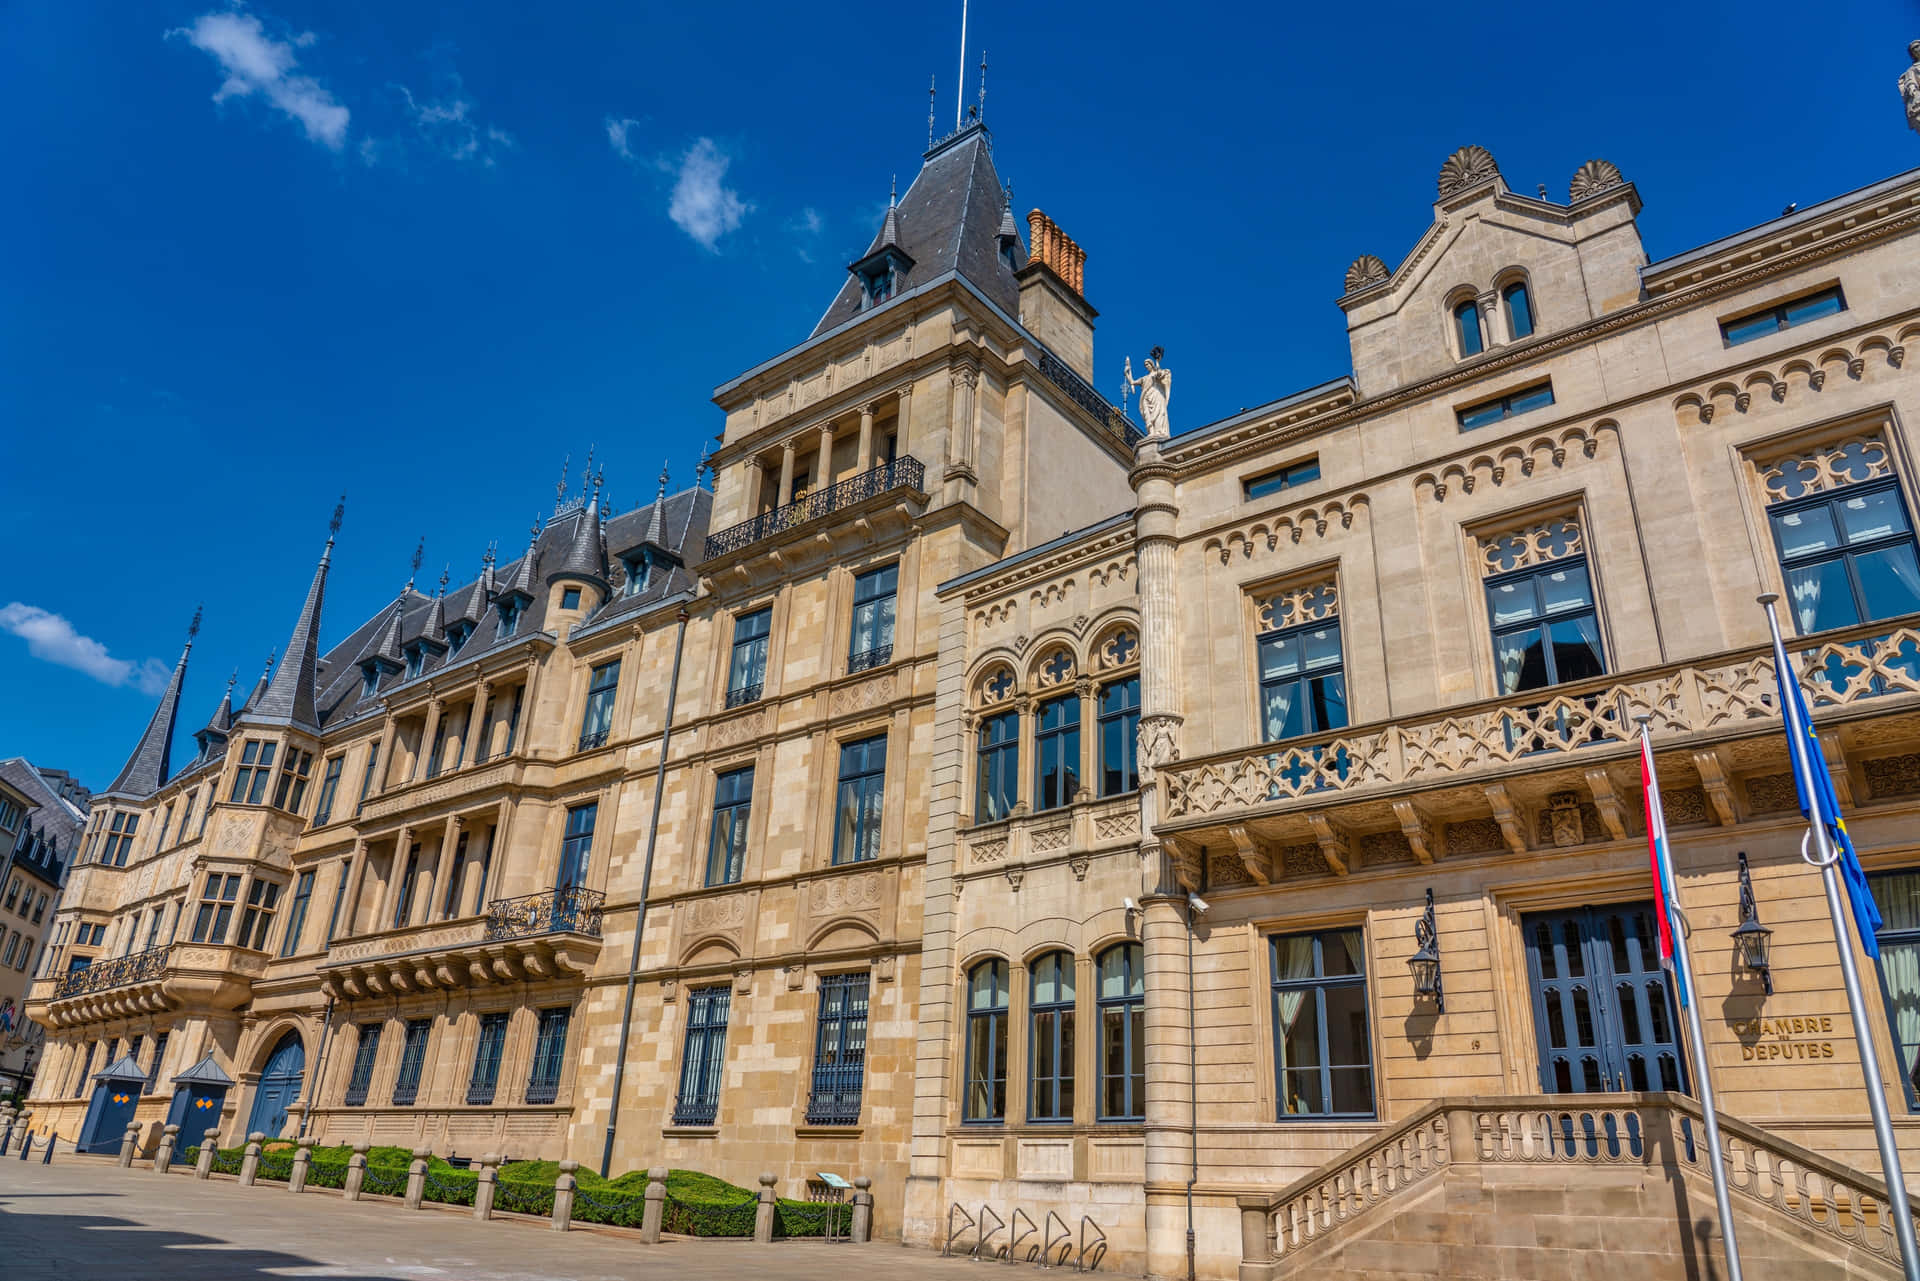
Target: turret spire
<point>215,730</point>
<point>146,770</point>
<point>656,534</point>
<point>289,697</point>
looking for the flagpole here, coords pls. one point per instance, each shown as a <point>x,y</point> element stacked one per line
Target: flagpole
<point>1683,961</point>
<point>1897,1203</point>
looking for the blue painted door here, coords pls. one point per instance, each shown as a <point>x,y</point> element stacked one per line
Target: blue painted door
<point>279,1085</point>
<point>1603,1007</point>
<point>196,1108</point>
<point>108,1115</point>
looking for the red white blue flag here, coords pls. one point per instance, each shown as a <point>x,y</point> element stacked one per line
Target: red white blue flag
<point>1660,858</point>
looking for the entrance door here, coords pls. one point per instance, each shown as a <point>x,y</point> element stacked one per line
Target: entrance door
<point>279,1086</point>
<point>1603,1007</point>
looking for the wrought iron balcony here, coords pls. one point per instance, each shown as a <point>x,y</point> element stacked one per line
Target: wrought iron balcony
<point>904,472</point>
<point>878,656</point>
<point>697,1111</point>
<point>593,739</point>
<point>1086,397</point>
<point>574,910</point>
<point>744,694</point>
<point>119,972</point>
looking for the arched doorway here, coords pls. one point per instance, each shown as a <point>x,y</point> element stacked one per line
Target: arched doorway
<point>279,1086</point>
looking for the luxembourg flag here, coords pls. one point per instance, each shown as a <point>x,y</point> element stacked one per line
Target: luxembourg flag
<point>1660,856</point>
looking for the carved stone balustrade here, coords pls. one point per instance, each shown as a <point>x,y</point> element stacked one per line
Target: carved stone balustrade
<point>1069,833</point>
<point>462,786</point>
<point>537,938</point>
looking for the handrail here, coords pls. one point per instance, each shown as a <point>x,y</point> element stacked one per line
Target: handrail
<point>119,972</point>
<point>574,909</point>
<point>904,472</point>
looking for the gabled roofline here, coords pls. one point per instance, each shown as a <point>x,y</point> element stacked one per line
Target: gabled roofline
<point>1119,518</point>
<point>1198,434</point>
<point>1773,227</point>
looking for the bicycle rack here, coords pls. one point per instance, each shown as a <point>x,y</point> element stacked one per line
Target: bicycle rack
<point>1013,1244</point>
<point>1098,1246</point>
<point>952,1210</point>
<point>1064,1242</point>
<point>986,1234</point>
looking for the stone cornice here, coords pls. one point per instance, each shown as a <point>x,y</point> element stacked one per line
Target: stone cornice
<point>1096,546</point>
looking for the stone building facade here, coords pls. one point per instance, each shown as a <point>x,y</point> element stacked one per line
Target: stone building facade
<point>852,817</point>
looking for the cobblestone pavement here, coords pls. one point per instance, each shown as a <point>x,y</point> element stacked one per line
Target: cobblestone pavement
<point>88,1220</point>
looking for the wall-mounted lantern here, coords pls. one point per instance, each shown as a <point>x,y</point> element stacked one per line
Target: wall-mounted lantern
<point>1425,963</point>
<point>1752,941</point>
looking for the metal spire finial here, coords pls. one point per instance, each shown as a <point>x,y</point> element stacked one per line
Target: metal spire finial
<point>560,490</point>
<point>932,82</point>
<point>980,111</point>
<point>960,98</point>
<point>232,677</point>
<point>586,476</point>
<point>663,479</point>
<point>535,531</point>
<point>487,557</point>
<point>701,468</point>
<point>193,628</point>
<point>339,514</point>
<point>419,554</point>
<point>446,572</point>
<point>268,669</point>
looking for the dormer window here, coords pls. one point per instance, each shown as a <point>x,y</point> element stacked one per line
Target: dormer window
<point>416,660</point>
<point>1466,327</point>
<point>570,598</point>
<point>509,618</point>
<point>638,568</point>
<point>369,680</point>
<point>457,637</point>
<point>881,274</point>
<point>1006,253</point>
<point>877,286</point>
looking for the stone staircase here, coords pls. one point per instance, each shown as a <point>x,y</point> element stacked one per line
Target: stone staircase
<point>1612,1186</point>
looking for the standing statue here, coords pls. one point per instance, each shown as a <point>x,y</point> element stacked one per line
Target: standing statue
<point>1910,87</point>
<point>1156,389</point>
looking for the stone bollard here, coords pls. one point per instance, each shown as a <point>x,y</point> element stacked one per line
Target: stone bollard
<point>302,1160</point>
<point>862,1210</point>
<point>163,1155</point>
<point>129,1145</point>
<point>23,1130</point>
<point>357,1170</point>
<point>250,1163</point>
<point>417,1178</point>
<point>763,1215</point>
<point>563,1196</point>
<point>656,1207</point>
<point>7,1115</point>
<point>209,1147</point>
<point>483,1192</point>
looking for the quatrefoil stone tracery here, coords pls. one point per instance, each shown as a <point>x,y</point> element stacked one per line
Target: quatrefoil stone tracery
<point>1058,669</point>
<point>1538,544</point>
<point>999,687</point>
<point>1306,603</point>
<point>1119,649</point>
<point>1844,462</point>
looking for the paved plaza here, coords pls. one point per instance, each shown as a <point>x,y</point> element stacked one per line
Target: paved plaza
<point>82,1220</point>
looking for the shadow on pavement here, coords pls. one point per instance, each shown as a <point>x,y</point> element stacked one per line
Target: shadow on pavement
<point>77,1247</point>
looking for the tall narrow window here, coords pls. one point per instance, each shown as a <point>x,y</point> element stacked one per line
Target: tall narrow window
<point>513,718</point>
<point>856,830</point>
<point>329,785</point>
<point>1466,324</point>
<point>1546,630</point>
<point>1519,309</point>
<point>1303,687</point>
<point>364,1054</point>
<point>120,839</point>
<point>1050,1045</point>
<point>747,668</point>
<point>704,1056</point>
<point>549,1050</point>
<point>86,1070</point>
<point>186,813</point>
<point>871,644</point>
<point>373,765</point>
<point>486,1058</point>
<point>599,717</point>
<point>1847,555</point>
<point>839,1051</point>
<point>153,1068</point>
<point>292,787</point>
<point>509,619</point>
<point>440,734</point>
<point>986,1097</point>
<point>339,898</point>
<point>450,894</point>
<point>576,849</point>
<point>1123,1033</point>
<point>416,660</point>
<point>217,898</point>
<point>255,772</point>
<point>297,915</point>
<point>263,899</point>
<point>1120,736</point>
<point>998,767</point>
<point>1056,752</point>
<point>1321,1046</point>
<point>413,1057</point>
<point>727,842</point>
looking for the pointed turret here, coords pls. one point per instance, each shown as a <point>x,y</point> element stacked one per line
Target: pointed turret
<point>890,229</point>
<point>586,557</point>
<point>388,649</point>
<point>146,770</point>
<point>436,629</point>
<point>656,535</point>
<point>260,686</point>
<point>213,738</point>
<point>473,601</point>
<point>289,699</point>
<point>521,584</point>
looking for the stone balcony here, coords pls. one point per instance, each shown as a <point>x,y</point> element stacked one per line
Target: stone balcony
<point>1549,767</point>
<point>904,476</point>
<point>535,938</point>
<point>460,785</point>
<point>192,976</point>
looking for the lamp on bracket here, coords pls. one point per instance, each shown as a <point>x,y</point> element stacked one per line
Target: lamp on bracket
<point>1425,963</point>
<point>1752,941</point>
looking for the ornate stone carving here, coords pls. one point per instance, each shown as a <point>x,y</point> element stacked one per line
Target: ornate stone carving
<point>1593,178</point>
<point>1303,860</point>
<point>1468,167</point>
<point>725,913</point>
<point>1537,544</point>
<point>1384,849</point>
<point>1771,793</point>
<point>1562,820</point>
<point>1507,815</point>
<point>1159,741</point>
<point>1224,871</point>
<point>1155,386</point>
<point>1051,838</point>
<point>1606,804</point>
<point>846,893</point>
<point>1119,649</point>
<point>1366,270</point>
<point>1109,827</point>
<point>1829,466</point>
<point>1254,859</point>
<point>740,729</point>
<point>1910,87</point>
<point>858,698</point>
<point>1714,785</point>
<point>1474,836</point>
<point>1057,668</point>
<point>1892,775</point>
<point>1422,838</point>
<point>1684,805</point>
<point>1079,863</point>
<point>1301,603</point>
<point>989,851</point>
<point>1336,843</point>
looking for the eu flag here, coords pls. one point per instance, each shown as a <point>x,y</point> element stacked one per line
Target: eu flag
<point>1820,804</point>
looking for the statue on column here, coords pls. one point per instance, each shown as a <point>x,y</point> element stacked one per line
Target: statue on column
<point>1910,87</point>
<point>1156,389</point>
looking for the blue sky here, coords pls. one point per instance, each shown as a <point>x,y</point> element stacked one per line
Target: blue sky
<point>257,256</point>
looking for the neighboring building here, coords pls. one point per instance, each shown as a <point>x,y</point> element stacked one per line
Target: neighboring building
<point>41,816</point>
<point>913,863</point>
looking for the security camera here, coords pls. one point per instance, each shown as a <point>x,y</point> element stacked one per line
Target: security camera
<point>1130,905</point>
<point>1196,904</point>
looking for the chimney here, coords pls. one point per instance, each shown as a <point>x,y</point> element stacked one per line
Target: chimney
<point>1053,303</point>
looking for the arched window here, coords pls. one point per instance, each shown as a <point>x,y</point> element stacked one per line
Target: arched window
<point>1051,1045</point>
<point>1519,309</point>
<point>986,1097</point>
<point>1466,322</point>
<point>1123,1033</point>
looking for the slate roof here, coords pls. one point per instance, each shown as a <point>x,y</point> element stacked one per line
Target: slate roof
<point>205,1072</point>
<point>146,770</point>
<point>121,1069</point>
<point>53,818</point>
<point>289,696</point>
<point>949,220</point>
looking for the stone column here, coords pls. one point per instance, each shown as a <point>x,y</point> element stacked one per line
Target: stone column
<point>302,1159</point>
<point>423,758</point>
<point>417,1178</point>
<point>1155,517</point>
<point>1089,740</point>
<point>474,747</point>
<point>823,461</point>
<point>786,474</point>
<point>250,1163</point>
<point>563,1196</point>
<point>356,873</point>
<point>656,1206</point>
<point>1493,319</point>
<point>862,1210</point>
<point>483,1193</point>
<point>900,440</point>
<point>383,767</point>
<point>442,869</point>
<point>209,1146</point>
<point>763,1213</point>
<point>863,459</point>
<point>756,480</point>
<point>961,417</point>
<point>163,1157</point>
<point>129,1145</point>
<point>396,878</point>
<point>356,1171</point>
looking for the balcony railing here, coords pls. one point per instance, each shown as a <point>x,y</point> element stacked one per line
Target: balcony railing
<point>1840,668</point>
<point>904,472</point>
<point>878,656</point>
<point>138,968</point>
<point>1086,397</point>
<point>574,910</point>
<point>741,695</point>
<point>696,1111</point>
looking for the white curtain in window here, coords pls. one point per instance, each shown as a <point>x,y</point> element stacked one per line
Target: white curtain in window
<point>1279,699</point>
<point>1510,656</point>
<point>1900,963</point>
<point>1805,590</point>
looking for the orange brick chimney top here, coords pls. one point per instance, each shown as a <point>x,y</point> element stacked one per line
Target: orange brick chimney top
<point>1057,251</point>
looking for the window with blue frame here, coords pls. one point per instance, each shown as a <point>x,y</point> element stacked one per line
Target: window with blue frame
<point>413,1057</point>
<point>1847,555</point>
<point>1056,752</point>
<point>570,598</point>
<point>1897,894</point>
<point>86,1070</point>
<point>871,643</point>
<point>638,568</point>
<point>366,779</point>
<point>1120,736</point>
<point>217,898</point>
<point>416,660</point>
<point>457,634</point>
<point>364,1054</point>
<point>1519,304</point>
<point>1323,1054</point>
<point>1303,683</point>
<point>727,840</point>
<point>1282,479</point>
<point>509,619</point>
<point>986,1092</point>
<point>861,800</point>
<point>1771,320</point>
<point>339,898</point>
<point>1050,1045</point>
<point>409,881</point>
<point>369,680</point>
<point>997,764</point>
<point>485,1077</point>
<point>296,915</point>
<point>704,1056</point>
<point>1487,412</point>
<point>1122,1006</point>
<point>256,770</point>
<point>1466,327</point>
<point>549,1055</point>
<point>598,721</point>
<point>576,847</point>
<point>1546,629</point>
<point>329,785</point>
<point>747,669</point>
<point>839,1051</point>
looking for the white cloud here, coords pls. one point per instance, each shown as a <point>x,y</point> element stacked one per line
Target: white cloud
<point>447,124</point>
<point>806,227</point>
<point>256,62</point>
<point>617,135</point>
<point>51,637</point>
<point>703,206</point>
